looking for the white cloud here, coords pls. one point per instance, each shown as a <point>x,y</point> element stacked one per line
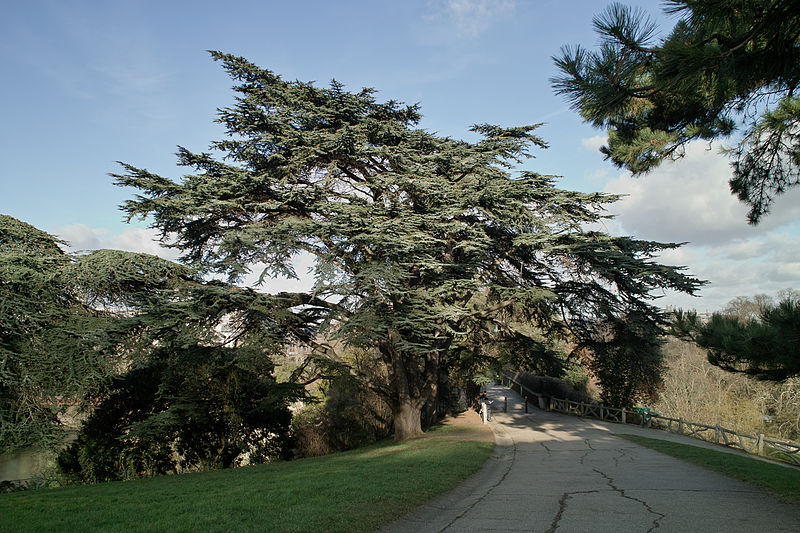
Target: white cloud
<point>689,200</point>
<point>743,250</point>
<point>468,19</point>
<point>593,144</point>
<point>725,282</point>
<point>785,248</point>
<point>683,256</point>
<point>80,237</point>
<point>597,176</point>
<point>763,265</point>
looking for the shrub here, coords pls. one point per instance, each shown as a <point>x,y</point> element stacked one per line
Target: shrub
<point>193,408</point>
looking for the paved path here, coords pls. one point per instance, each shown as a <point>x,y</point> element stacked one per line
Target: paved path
<point>553,472</point>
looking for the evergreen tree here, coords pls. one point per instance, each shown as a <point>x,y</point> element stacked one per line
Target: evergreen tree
<point>726,64</point>
<point>179,365</point>
<point>51,347</point>
<point>423,243</point>
<point>626,358</point>
<point>766,347</point>
<point>198,390</point>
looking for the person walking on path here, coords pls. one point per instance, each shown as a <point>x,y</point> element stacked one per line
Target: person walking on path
<point>485,408</point>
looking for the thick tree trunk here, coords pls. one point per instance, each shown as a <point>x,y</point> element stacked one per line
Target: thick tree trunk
<point>407,420</point>
<point>412,381</point>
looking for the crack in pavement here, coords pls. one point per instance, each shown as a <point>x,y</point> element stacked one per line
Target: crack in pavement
<point>622,453</point>
<point>621,492</point>
<point>562,506</point>
<point>587,452</point>
<point>521,487</point>
<point>584,456</point>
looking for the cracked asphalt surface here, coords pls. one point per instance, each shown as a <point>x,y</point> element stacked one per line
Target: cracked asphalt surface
<point>557,473</point>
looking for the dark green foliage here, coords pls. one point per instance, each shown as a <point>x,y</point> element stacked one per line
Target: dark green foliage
<point>176,372</point>
<point>200,391</point>
<point>428,249</point>
<point>552,387</point>
<point>123,281</point>
<point>627,360</point>
<point>50,345</point>
<point>99,454</point>
<point>725,65</point>
<point>195,407</point>
<point>530,354</point>
<point>766,347</point>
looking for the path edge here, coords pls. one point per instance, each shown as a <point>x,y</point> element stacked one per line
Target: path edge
<point>438,513</point>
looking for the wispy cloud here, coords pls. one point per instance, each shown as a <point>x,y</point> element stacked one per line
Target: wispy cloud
<point>105,55</point>
<point>453,37</point>
<point>473,17</point>
<point>593,144</point>
<point>464,19</point>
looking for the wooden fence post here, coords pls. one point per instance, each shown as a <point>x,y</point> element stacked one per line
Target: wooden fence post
<point>760,444</point>
<point>624,420</point>
<point>505,404</point>
<point>716,434</point>
<point>680,426</point>
<point>526,404</point>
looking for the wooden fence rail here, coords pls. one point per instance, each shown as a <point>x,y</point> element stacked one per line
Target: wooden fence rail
<point>754,444</point>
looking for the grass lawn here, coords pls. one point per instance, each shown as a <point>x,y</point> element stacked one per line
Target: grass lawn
<point>353,491</point>
<point>784,481</point>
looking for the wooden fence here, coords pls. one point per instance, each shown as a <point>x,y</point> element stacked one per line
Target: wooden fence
<point>754,444</point>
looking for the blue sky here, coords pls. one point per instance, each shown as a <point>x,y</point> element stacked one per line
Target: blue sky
<point>87,84</point>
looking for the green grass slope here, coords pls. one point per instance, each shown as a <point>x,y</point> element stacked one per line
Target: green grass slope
<point>354,491</point>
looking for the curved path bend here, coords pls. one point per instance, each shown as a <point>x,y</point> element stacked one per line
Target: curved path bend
<point>557,473</point>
